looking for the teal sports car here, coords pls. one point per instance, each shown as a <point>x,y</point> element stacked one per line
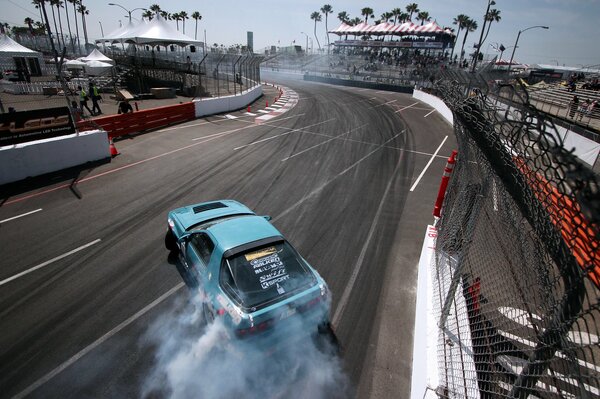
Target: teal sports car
<point>246,272</point>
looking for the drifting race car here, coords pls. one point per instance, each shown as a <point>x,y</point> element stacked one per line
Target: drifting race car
<point>247,273</point>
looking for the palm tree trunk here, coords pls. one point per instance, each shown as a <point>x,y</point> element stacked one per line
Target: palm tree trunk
<point>327,33</point>
<point>196,34</point>
<point>463,45</point>
<point>85,35</point>
<point>69,27</point>
<point>55,26</point>
<point>62,35</point>
<point>318,44</point>
<point>76,28</point>
<point>183,26</point>
<point>454,45</point>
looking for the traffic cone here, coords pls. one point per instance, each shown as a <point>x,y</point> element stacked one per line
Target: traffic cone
<point>113,150</point>
<point>249,108</point>
<point>267,103</point>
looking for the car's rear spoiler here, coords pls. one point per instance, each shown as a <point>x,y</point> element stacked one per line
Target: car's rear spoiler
<point>258,243</point>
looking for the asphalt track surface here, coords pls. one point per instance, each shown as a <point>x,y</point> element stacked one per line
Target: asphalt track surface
<point>335,173</point>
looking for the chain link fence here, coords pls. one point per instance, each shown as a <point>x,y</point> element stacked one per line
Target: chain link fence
<point>517,267</point>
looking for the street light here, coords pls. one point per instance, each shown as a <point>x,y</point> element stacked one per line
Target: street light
<point>485,19</point>
<point>128,11</point>
<point>306,42</point>
<point>517,42</point>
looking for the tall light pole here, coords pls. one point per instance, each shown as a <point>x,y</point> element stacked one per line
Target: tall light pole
<point>128,11</point>
<point>517,42</point>
<point>306,42</point>
<point>485,19</point>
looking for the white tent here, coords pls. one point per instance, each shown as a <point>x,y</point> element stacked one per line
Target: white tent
<point>116,35</point>
<point>97,68</point>
<point>153,33</point>
<point>96,55</point>
<point>74,64</point>
<point>14,56</point>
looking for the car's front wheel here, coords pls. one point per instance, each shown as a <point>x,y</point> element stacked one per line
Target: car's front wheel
<point>171,241</point>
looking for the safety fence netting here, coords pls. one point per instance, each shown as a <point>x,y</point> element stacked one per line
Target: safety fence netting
<point>517,270</point>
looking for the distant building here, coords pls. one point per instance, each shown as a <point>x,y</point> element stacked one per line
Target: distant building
<point>250,41</point>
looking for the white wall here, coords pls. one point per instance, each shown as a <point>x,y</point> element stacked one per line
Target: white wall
<point>44,156</point>
<point>436,103</point>
<point>217,105</point>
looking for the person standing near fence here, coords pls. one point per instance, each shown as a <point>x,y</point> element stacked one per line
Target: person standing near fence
<point>95,95</point>
<point>573,104</point>
<point>83,99</point>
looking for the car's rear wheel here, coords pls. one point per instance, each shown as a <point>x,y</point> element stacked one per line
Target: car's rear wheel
<point>171,241</point>
<point>326,340</point>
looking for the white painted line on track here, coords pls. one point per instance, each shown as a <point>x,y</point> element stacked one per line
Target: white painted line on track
<point>323,143</point>
<point>343,172</point>
<point>263,111</point>
<point>249,114</point>
<point>215,135</point>
<point>363,252</point>
<point>96,343</point>
<point>229,116</point>
<point>380,105</point>
<point>20,216</point>
<point>282,134</point>
<point>16,276</point>
<point>428,163</point>
<point>407,107</point>
<point>432,111</point>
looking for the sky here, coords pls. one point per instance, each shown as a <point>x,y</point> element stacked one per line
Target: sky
<point>572,38</point>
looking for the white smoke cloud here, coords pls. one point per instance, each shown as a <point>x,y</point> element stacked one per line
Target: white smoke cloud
<point>195,360</point>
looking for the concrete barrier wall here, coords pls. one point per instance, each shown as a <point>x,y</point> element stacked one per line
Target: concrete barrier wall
<point>211,106</point>
<point>436,103</point>
<point>365,84</point>
<point>44,156</point>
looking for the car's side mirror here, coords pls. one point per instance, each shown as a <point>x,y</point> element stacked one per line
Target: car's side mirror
<point>267,218</point>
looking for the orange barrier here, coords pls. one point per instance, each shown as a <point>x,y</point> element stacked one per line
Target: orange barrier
<point>566,215</point>
<point>134,122</point>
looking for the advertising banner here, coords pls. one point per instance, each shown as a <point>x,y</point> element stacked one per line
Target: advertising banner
<point>378,43</point>
<point>21,127</point>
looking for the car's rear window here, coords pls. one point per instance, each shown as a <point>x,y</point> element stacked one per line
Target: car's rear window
<point>264,275</point>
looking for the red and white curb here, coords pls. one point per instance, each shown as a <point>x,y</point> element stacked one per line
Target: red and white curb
<point>287,101</point>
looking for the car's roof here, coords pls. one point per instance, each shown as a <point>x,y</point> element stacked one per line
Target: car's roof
<point>232,233</point>
<point>192,215</point>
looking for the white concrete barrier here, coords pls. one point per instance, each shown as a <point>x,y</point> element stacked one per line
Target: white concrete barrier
<point>436,103</point>
<point>36,158</point>
<point>217,105</point>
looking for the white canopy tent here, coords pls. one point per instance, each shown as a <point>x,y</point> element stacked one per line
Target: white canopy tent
<point>154,33</point>
<point>96,55</point>
<point>14,56</point>
<point>97,68</point>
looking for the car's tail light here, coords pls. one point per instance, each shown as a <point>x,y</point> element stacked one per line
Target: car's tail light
<point>245,332</point>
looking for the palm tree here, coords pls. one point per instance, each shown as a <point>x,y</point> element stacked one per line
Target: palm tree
<point>412,8</point>
<point>396,12</point>
<point>75,4</point>
<point>29,22</point>
<point>386,16</point>
<point>196,15</point>
<point>176,17</point>
<point>69,27</point>
<point>315,16</point>
<point>52,2</point>
<point>148,15</point>
<point>343,17</point>
<point>367,12</point>
<point>155,8</point>
<point>460,20</point>
<point>492,16</point>
<point>327,9</point>
<point>166,16</point>
<point>355,21</point>
<point>59,5</point>
<point>83,11</point>
<point>423,16</point>
<point>470,26</point>
<point>183,15</point>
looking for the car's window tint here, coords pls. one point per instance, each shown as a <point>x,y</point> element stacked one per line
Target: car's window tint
<point>203,245</point>
<point>266,274</point>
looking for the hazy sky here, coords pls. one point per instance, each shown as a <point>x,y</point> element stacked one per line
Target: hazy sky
<point>571,40</point>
